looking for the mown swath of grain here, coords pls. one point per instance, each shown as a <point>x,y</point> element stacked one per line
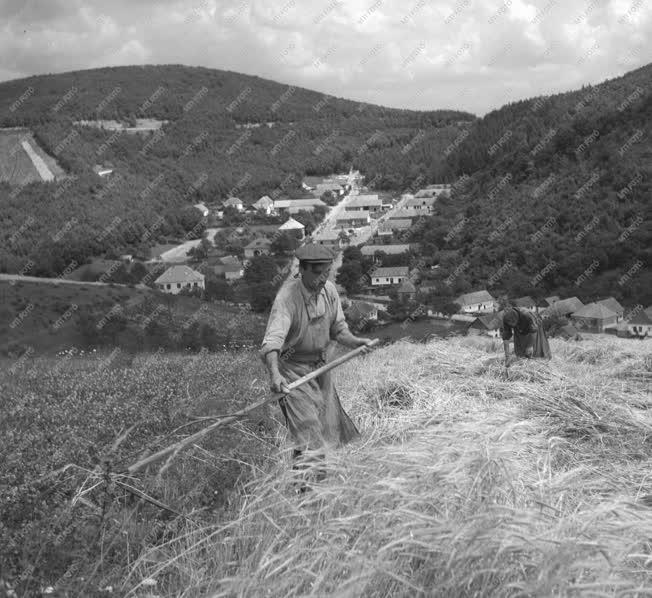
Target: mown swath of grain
<point>480,486</point>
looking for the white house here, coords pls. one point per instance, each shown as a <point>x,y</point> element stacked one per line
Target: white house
<point>488,325</point>
<point>233,271</point>
<point>410,214</point>
<point>293,226</point>
<point>434,190</point>
<point>563,308</point>
<point>292,206</point>
<point>202,208</point>
<point>389,276</point>
<point>265,204</point>
<point>177,278</point>
<point>640,325</point>
<point>354,220</point>
<point>380,302</point>
<point>476,302</point>
<point>370,203</point>
<point>234,202</point>
<point>361,311</point>
<point>424,205</point>
<point>594,317</point>
<point>388,228</point>
<point>332,239</point>
<point>334,186</point>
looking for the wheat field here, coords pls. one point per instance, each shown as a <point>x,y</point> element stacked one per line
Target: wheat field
<point>468,481</point>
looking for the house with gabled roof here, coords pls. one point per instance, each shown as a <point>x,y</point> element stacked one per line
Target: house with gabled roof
<point>361,311</point>
<point>364,202</point>
<point>334,186</point>
<point>641,324</point>
<point>406,290</point>
<point>234,202</point>
<point>612,304</point>
<point>593,317</point>
<point>405,215</point>
<point>354,219</point>
<point>202,208</point>
<point>177,278</point>
<point>293,226</point>
<point>219,266</point>
<point>389,227</point>
<point>265,204</point>
<point>562,308</point>
<point>434,190</point>
<point>233,271</point>
<point>424,205</point>
<point>477,302</point>
<point>293,206</point>
<point>335,239</point>
<point>487,325</point>
<point>389,276</point>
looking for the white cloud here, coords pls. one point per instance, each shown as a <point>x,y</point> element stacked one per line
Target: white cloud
<point>464,54</point>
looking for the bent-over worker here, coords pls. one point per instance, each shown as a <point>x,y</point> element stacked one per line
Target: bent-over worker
<point>529,336</point>
<point>305,317</point>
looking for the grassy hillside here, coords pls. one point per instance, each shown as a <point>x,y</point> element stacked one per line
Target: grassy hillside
<point>557,186</point>
<point>45,318</point>
<point>201,154</point>
<point>465,483</point>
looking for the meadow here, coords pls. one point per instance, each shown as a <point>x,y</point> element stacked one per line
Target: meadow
<point>43,317</point>
<point>468,480</point>
<point>16,167</point>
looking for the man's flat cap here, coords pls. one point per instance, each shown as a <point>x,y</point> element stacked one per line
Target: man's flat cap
<point>315,254</point>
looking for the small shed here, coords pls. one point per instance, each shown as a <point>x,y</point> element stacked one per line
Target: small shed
<point>260,246</point>
<point>406,290</point>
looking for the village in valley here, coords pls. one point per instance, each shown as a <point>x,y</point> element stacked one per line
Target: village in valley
<point>339,211</point>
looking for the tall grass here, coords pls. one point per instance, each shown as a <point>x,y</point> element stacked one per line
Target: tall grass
<point>467,482</point>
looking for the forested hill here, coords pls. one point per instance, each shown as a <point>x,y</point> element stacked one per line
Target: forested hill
<point>202,154</point>
<point>556,196</point>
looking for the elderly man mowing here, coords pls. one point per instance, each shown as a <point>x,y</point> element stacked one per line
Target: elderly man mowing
<point>305,317</point>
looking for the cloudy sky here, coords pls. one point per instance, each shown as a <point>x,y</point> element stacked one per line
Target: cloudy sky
<point>473,55</point>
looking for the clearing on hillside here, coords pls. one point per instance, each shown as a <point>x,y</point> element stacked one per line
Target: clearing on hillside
<point>23,161</point>
<point>143,125</point>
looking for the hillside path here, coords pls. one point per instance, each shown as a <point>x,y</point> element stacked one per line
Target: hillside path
<point>22,278</point>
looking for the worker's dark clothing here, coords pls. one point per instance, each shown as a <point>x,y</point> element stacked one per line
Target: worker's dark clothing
<point>529,336</point>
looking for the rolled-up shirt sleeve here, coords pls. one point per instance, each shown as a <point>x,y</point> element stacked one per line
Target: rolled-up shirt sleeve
<point>339,324</point>
<point>278,326</point>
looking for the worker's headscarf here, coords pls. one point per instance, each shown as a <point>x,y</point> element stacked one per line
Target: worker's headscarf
<point>510,316</point>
